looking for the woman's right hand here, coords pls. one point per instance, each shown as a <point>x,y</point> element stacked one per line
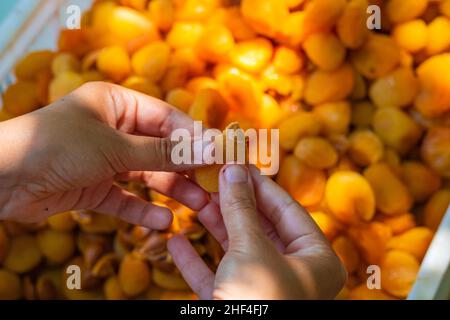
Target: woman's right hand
<point>274,250</point>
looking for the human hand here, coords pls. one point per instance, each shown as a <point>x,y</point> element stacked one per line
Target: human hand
<point>67,156</point>
<point>274,250</point>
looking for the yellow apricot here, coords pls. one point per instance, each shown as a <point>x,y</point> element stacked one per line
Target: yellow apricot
<point>21,98</point>
<point>114,62</point>
<point>184,34</point>
<point>321,15</point>
<point>195,9</point>
<point>412,35</point>
<point>112,289</point>
<point>328,86</point>
<point>334,117</point>
<point>362,114</point>
<point>352,24</point>
<point>347,252</point>
<point>62,222</point>
<point>397,89</point>
<point>316,152</point>
<point>398,224</point>
<point>142,84</point>
<point>304,184</point>
<point>396,129</point>
<point>188,58</point>
<point>300,124</point>
<point>151,61</point>
<point>162,13</point>
<point>65,62</point>
<point>414,241</point>
<point>391,194</point>
<point>324,50</point>
<point>10,285</point>
<point>398,272</point>
<point>252,55</point>
<point>436,150</point>
<point>281,83</point>
<point>350,197</point>
<point>265,17</point>
<point>287,60</point>
<point>438,36</point>
<point>362,292</point>
<point>33,64</point>
<point>436,208</point>
<point>327,224</point>
<point>421,181</point>
<point>23,254</point>
<point>371,240</point>
<point>210,107</point>
<point>134,276</point>
<point>365,147</point>
<point>434,77</point>
<point>271,113</point>
<point>400,11</point>
<point>56,246</point>
<point>180,98</point>
<point>63,84</point>
<point>215,43</point>
<point>378,56</point>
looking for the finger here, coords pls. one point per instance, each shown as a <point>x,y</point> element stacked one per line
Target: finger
<point>133,209</point>
<point>173,185</point>
<point>237,204</point>
<point>194,270</point>
<point>211,218</point>
<point>290,220</point>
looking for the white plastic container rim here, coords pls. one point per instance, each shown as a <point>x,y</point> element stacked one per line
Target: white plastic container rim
<point>35,24</point>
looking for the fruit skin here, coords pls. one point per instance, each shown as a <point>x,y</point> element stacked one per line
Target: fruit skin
<point>10,285</point>
<point>350,197</point>
<point>208,177</point>
<point>121,67</point>
<point>347,252</point>
<point>327,224</point>
<point>414,241</point>
<point>334,116</point>
<point>151,61</point>
<point>365,147</point>
<point>411,35</point>
<point>421,181</point>
<point>23,254</point>
<point>400,11</point>
<point>33,64</point>
<point>316,152</point>
<point>436,150</point>
<point>351,26</point>
<point>297,126</point>
<point>435,208</point>
<point>56,246</point>
<point>21,98</point>
<point>134,276</point>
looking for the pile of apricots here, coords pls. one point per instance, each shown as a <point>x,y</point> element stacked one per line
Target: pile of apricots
<point>364,120</point>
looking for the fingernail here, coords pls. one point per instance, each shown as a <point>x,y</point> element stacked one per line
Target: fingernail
<point>235,174</point>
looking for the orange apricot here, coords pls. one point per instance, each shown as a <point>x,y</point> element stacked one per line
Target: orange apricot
<point>321,15</point>
<point>65,62</point>
<point>414,241</point>
<point>252,55</point>
<point>180,98</point>
<point>21,98</point>
<point>400,11</point>
<point>33,64</point>
<point>210,107</point>
<point>334,117</point>
<point>327,224</point>
<point>287,60</point>
<point>114,62</point>
<point>151,61</point>
<point>347,252</point>
<point>421,181</point>
<point>184,34</point>
<point>436,208</point>
<point>398,224</point>
<point>265,17</point>
<point>325,50</point>
<point>316,152</point>
<point>438,36</point>
<point>144,85</point>
<point>134,276</point>
<point>411,36</point>
<point>365,147</point>
<point>436,150</point>
<point>352,24</point>
<point>300,124</point>
<point>162,13</point>
<point>349,197</point>
<point>63,84</point>
<point>371,240</point>
<point>215,43</point>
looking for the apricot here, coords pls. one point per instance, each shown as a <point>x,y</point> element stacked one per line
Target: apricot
<point>328,86</point>
<point>421,181</point>
<point>350,197</point>
<point>272,80</point>
<point>169,281</point>
<point>271,113</point>
<point>93,222</point>
<point>300,124</point>
<point>112,289</point>
<point>120,68</point>
<point>436,150</point>
<point>210,107</point>
<point>142,84</point>
<point>400,11</point>
<point>195,9</point>
<point>325,50</point>
<point>305,184</point>
<point>252,55</point>
<point>10,285</point>
<point>352,24</point>
<point>371,240</point>
<point>56,246</point>
<point>180,98</point>
<point>335,117</point>
<point>434,77</point>
<point>411,36</point>
<point>74,41</point>
<point>265,17</point>
<point>396,129</point>
<point>397,89</point>
<point>33,64</point>
<point>162,13</point>
<point>65,62</point>
<point>184,34</point>
<point>398,224</point>
<point>365,147</point>
<point>347,252</point>
<point>362,292</point>
<point>23,254</point>
<point>377,57</point>
<point>398,272</point>
<point>444,8</point>
<point>134,276</point>
<point>189,59</point>
<point>436,208</point>
<point>327,224</point>
<point>414,241</point>
<point>63,84</point>
<point>438,36</point>
<point>151,61</point>
<point>316,152</point>
<point>321,15</point>
<point>293,31</point>
<point>21,98</point>
<point>391,194</point>
<point>287,60</point>
<point>215,43</point>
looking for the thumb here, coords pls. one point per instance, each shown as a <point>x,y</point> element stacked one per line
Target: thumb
<point>238,205</point>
